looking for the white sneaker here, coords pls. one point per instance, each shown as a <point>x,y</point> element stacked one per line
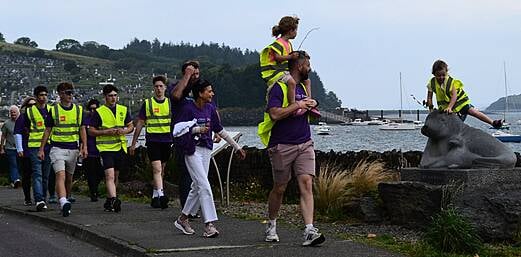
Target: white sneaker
<point>40,206</point>
<point>184,226</point>
<point>271,233</point>
<point>312,237</point>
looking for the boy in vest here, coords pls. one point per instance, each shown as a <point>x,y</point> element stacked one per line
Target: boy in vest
<point>156,113</point>
<point>33,122</point>
<point>274,60</point>
<point>64,127</point>
<point>109,125</point>
<point>451,97</point>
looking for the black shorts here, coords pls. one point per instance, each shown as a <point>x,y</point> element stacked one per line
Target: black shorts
<point>464,111</point>
<point>117,160</point>
<point>159,151</point>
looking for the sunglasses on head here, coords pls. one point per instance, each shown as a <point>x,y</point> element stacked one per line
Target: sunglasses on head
<point>68,92</point>
<point>42,94</point>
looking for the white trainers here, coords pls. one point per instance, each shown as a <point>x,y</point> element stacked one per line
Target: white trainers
<point>184,226</point>
<point>40,206</point>
<point>210,231</point>
<point>271,233</point>
<point>312,237</point>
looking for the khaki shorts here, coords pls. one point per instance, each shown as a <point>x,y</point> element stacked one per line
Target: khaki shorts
<point>287,159</point>
<point>64,159</point>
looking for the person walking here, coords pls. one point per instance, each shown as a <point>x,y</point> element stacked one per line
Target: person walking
<point>92,164</point>
<point>8,146</point>
<point>22,149</point>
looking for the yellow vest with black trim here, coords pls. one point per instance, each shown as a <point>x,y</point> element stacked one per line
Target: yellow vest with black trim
<point>158,116</point>
<point>443,95</point>
<point>66,123</point>
<point>271,70</point>
<point>112,143</point>
<point>36,127</point>
<point>265,127</point>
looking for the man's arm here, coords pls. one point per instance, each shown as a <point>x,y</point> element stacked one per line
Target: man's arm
<point>278,113</point>
<point>46,134</point>
<point>429,100</point>
<point>177,93</point>
<point>83,138</point>
<point>139,126</point>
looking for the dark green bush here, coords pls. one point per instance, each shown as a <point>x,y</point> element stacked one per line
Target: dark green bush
<point>450,232</point>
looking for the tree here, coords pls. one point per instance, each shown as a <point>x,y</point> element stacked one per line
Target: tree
<point>2,39</point>
<point>68,45</point>
<point>25,41</point>
<point>71,67</point>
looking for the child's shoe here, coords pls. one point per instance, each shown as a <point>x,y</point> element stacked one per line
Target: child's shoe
<point>497,124</point>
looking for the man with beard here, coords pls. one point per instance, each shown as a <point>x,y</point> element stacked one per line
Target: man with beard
<point>290,148</point>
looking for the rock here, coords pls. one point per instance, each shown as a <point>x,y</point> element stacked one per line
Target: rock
<point>365,209</point>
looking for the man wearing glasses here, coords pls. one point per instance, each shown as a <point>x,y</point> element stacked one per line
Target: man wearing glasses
<point>109,125</point>
<point>63,128</point>
<point>156,113</point>
<point>33,121</point>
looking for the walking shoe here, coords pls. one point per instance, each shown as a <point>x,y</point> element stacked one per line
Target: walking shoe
<point>184,226</point>
<point>52,199</point>
<point>116,205</point>
<point>71,199</point>
<point>66,209</point>
<point>210,231</point>
<point>28,202</point>
<point>271,233</point>
<point>40,206</point>
<point>497,124</point>
<point>312,237</point>
<point>17,184</point>
<point>94,197</point>
<point>108,205</point>
<point>163,202</point>
<point>11,185</point>
<point>155,202</point>
<point>195,216</point>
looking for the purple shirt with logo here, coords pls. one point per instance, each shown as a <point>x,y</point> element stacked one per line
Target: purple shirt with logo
<point>91,141</point>
<point>154,137</point>
<point>291,130</point>
<point>49,123</point>
<point>207,116</point>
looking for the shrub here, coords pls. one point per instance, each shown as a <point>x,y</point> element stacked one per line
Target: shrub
<point>366,176</point>
<point>450,232</point>
<point>330,188</point>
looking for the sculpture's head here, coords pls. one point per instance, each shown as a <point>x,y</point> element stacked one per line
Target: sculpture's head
<point>439,125</point>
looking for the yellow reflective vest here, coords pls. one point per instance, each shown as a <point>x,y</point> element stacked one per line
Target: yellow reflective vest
<point>158,116</point>
<point>443,94</point>
<point>66,123</point>
<point>112,143</point>
<point>271,71</point>
<point>37,126</point>
<point>265,127</point>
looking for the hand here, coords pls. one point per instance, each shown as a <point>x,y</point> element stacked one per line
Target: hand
<point>306,103</point>
<point>120,131</point>
<point>41,154</point>
<point>448,110</point>
<point>2,151</point>
<point>132,150</point>
<point>83,152</point>
<point>21,154</point>
<point>241,153</point>
<point>111,132</point>
<point>189,70</point>
<point>216,138</point>
<point>203,130</point>
<point>294,56</point>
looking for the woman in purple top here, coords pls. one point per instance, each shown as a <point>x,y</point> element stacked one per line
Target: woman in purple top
<point>197,148</point>
<point>21,139</point>
<point>92,163</point>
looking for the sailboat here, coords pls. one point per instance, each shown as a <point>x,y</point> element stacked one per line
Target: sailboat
<point>394,126</point>
<point>501,135</point>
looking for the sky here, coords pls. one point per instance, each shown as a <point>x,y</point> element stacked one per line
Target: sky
<point>359,49</point>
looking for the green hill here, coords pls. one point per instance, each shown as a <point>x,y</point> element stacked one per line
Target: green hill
<point>514,104</point>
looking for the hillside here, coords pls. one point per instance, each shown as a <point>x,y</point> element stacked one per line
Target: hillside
<point>514,104</point>
<point>234,72</point>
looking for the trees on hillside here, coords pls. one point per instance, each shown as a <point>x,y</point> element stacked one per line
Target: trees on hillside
<point>68,45</point>
<point>25,41</point>
<point>2,39</point>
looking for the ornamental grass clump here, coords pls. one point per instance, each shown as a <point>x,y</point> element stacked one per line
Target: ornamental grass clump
<point>452,233</point>
<point>330,188</point>
<point>365,177</point>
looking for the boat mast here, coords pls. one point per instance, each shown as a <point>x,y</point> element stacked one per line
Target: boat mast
<point>401,100</point>
<point>506,90</point>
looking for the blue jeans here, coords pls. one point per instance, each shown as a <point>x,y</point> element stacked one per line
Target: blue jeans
<point>13,164</point>
<point>40,174</point>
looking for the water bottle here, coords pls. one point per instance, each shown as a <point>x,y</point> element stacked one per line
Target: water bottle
<point>79,163</point>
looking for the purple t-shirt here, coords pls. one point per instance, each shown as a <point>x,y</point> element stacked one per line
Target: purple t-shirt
<point>207,116</point>
<point>19,128</point>
<point>177,106</point>
<point>154,137</point>
<point>24,125</point>
<point>49,122</point>
<point>291,130</point>
<point>91,141</point>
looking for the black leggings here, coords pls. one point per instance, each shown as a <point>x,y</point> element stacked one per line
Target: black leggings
<point>25,164</point>
<point>94,172</point>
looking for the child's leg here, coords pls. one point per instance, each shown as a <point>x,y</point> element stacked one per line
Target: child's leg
<point>292,84</point>
<point>307,84</point>
<point>481,116</point>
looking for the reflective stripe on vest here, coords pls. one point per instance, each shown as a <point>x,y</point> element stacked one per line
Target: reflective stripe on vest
<point>112,143</point>
<point>271,71</point>
<point>157,116</point>
<point>36,127</point>
<point>265,127</point>
<point>66,123</point>
<point>443,96</point>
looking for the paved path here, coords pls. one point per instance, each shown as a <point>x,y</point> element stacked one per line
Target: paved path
<point>140,230</point>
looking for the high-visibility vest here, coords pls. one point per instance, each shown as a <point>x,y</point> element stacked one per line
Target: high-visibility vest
<point>158,116</point>
<point>66,123</point>
<point>36,127</point>
<point>443,95</point>
<point>271,71</point>
<point>265,127</point>
<point>112,143</point>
